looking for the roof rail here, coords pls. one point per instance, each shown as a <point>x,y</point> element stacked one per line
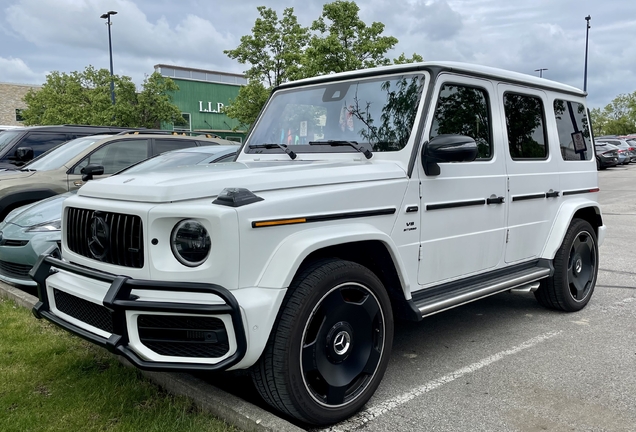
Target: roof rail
<point>144,131</point>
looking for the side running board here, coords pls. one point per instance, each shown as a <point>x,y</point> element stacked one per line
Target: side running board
<point>430,301</point>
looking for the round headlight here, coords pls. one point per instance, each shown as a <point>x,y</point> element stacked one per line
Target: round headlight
<point>190,243</point>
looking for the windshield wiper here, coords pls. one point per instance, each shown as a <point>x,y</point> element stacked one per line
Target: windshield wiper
<point>290,153</point>
<point>366,152</point>
<point>27,170</point>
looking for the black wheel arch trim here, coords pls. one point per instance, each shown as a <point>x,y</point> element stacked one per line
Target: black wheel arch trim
<point>25,197</point>
<point>118,300</point>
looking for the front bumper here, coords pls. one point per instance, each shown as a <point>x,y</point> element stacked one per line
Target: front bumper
<point>119,302</point>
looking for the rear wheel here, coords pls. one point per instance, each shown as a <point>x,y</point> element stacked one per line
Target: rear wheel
<point>575,270</point>
<point>330,346</point>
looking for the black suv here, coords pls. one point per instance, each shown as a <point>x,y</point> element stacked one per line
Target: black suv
<point>20,145</point>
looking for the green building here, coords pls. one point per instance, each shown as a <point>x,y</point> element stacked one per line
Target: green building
<point>201,97</point>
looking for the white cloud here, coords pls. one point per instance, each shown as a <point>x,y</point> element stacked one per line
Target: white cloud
<point>15,70</point>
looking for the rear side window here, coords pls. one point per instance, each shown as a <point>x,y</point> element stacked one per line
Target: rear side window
<point>164,145</point>
<point>464,110</point>
<point>525,124</point>
<point>42,141</point>
<point>573,128</point>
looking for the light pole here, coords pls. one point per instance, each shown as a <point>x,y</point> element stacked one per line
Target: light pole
<point>106,16</point>
<point>540,71</point>
<point>587,33</point>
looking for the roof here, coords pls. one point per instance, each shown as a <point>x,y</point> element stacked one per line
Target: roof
<point>471,69</point>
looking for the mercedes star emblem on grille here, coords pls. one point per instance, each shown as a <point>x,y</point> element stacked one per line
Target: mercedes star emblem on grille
<point>98,241</point>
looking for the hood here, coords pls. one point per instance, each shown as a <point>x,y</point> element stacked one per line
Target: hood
<point>47,210</point>
<point>202,181</point>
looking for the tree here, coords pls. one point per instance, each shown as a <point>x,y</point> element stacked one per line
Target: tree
<point>282,50</point>
<point>274,49</point>
<point>248,103</point>
<point>84,98</point>
<point>343,41</point>
<point>617,118</point>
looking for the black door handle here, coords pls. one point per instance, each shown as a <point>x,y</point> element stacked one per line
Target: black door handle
<point>495,200</point>
<point>552,194</point>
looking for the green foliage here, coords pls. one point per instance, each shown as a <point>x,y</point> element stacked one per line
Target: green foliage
<point>84,98</point>
<point>343,42</point>
<point>274,49</point>
<point>617,118</point>
<point>249,101</point>
<point>403,60</point>
<point>282,50</point>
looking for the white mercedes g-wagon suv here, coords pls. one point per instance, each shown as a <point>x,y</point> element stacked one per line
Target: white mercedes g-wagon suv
<point>357,199</point>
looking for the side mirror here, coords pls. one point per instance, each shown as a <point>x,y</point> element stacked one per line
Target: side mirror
<point>24,154</point>
<point>91,170</point>
<point>447,148</point>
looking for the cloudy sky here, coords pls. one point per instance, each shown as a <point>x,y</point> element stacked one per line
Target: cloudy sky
<point>40,36</point>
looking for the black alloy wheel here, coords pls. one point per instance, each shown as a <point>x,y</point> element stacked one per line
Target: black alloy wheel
<point>575,270</point>
<point>330,345</point>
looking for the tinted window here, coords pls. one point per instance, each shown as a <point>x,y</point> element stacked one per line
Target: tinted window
<point>60,156</point>
<point>116,156</point>
<point>464,110</point>
<point>7,137</point>
<point>525,126</point>
<point>164,145</point>
<point>572,125</point>
<point>42,141</point>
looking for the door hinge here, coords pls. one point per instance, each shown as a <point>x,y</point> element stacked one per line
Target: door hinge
<point>507,235</point>
<point>508,184</point>
<point>419,254</point>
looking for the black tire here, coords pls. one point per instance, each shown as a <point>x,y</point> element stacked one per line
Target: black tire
<point>330,345</point>
<point>575,270</point>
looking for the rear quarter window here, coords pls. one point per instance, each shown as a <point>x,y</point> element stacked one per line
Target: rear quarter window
<point>573,128</point>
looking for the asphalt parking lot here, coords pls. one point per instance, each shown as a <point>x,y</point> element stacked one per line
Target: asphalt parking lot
<point>503,363</point>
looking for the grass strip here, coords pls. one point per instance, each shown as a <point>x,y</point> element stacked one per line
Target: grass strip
<point>51,380</point>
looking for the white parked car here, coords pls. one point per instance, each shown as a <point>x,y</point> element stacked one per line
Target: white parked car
<point>357,198</point>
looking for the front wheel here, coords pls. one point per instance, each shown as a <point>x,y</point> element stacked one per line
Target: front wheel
<point>330,345</point>
<point>575,270</point>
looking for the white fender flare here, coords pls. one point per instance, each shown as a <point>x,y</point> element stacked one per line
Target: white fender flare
<point>292,251</point>
<point>562,222</point>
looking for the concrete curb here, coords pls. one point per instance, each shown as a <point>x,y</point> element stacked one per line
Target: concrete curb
<point>227,407</point>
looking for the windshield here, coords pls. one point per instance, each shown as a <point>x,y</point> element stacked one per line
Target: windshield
<point>376,112</point>
<point>59,156</point>
<point>173,159</point>
<point>7,137</point>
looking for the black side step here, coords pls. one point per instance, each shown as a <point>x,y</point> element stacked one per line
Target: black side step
<point>449,295</point>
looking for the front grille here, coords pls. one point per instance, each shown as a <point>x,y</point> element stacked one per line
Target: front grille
<point>181,336</point>
<point>113,238</point>
<point>83,310</point>
<point>18,271</point>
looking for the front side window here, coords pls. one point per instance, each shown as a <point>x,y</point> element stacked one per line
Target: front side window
<point>60,155</point>
<point>116,156</point>
<point>376,113</point>
<point>525,126</point>
<point>463,110</point>
<point>43,141</point>
<point>573,128</point>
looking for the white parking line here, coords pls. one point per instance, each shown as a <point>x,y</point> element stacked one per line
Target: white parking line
<point>371,413</point>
